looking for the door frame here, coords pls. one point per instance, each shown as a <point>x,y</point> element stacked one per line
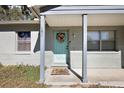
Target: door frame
<point>68,50</point>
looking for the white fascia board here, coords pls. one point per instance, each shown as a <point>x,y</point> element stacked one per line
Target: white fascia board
<point>60,12</point>
<point>103,11</point>
<point>82,12</point>
<point>74,7</point>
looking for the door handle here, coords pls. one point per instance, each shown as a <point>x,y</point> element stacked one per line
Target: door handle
<point>67,47</point>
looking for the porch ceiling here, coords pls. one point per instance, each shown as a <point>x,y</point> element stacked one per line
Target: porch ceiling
<point>93,20</point>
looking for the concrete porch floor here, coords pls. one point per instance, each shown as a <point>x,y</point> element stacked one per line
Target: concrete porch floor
<point>105,77</point>
<point>97,75</point>
<point>60,79</point>
<point>110,77</point>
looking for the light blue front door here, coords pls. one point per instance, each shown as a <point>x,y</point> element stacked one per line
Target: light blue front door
<point>60,47</point>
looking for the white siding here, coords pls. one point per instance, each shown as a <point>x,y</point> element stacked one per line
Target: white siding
<point>7,42</point>
<point>9,54</point>
<point>97,59</point>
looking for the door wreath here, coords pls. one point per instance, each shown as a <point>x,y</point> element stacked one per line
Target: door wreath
<point>60,37</point>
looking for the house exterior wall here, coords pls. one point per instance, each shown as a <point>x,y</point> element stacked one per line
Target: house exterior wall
<point>9,55</point>
<point>114,59</point>
<point>96,59</point>
<point>119,38</point>
<point>8,46</point>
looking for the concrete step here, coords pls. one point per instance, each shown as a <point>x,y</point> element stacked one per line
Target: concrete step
<point>59,65</point>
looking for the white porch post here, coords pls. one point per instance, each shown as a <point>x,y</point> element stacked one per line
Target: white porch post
<point>84,48</point>
<point>42,49</point>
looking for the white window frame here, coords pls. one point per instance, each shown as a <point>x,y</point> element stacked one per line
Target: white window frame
<point>101,40</point>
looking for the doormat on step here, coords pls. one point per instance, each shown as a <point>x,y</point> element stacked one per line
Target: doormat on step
<point>60,71</point>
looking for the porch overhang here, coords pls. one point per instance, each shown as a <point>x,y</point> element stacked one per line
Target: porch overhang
<point>97,16</point>
<point>19,22</point>
<point>93,20</point>
<point>24,25</point>
<point>76,11</point>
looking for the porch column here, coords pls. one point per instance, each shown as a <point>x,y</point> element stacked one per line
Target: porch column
<point>84,48</point>
<point>42,49</point>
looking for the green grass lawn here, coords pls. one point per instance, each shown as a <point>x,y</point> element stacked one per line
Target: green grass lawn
<point>20,76</point>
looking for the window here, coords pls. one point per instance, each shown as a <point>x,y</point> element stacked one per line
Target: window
<point>93,40</point>
<point>24,41</point>
<point>101,40</point>
<point>107,40</point>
